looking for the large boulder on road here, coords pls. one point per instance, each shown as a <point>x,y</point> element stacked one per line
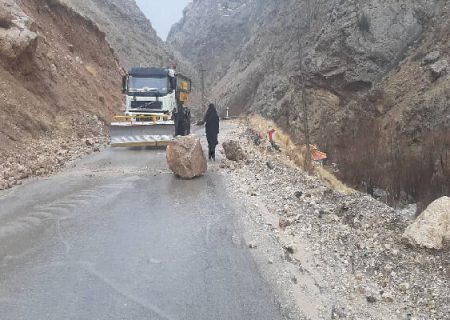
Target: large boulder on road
<point>432,228</point>
<point>234,151</point>
<point>185,157</point>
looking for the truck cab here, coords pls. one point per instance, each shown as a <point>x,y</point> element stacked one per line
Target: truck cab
<point>153,90</point>
<point>154,108</point>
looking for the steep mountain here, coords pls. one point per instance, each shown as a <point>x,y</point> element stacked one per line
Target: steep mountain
<point>132,36</point>
<point>374,105</point>
<point>59,86</point>
<point>128,31</point>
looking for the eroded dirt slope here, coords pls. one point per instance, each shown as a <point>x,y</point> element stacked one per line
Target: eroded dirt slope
<point>60,84</point>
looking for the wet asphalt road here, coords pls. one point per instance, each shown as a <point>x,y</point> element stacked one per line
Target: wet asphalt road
<point>118,237</point>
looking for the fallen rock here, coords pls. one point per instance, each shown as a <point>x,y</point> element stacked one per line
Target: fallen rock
<point>388,297</point>
<point>284,222</point>
<point>270,165</point>
<point>331,218</point>
<point>432,57</point>
<point>185,157</point>
<point>371,299</point>
<point>432,227</point>
<point>224,164</point>
<point>234,151</point>
<point>290,248</point>
<point>89,142</point>
<point>404,287</point>
<point>438,69</point>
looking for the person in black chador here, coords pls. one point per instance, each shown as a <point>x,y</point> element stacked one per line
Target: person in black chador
<point>182,119</point>
<point>212,130</point>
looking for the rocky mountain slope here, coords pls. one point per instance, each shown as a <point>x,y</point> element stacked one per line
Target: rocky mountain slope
<point>129,32</point>
<point>131,35</point>
<point>363,63</point>
<point>60,84</point>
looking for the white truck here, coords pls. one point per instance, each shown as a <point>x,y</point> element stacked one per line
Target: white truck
<point>154,102</point>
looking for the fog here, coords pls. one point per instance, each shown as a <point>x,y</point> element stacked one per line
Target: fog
<point>162,13</point>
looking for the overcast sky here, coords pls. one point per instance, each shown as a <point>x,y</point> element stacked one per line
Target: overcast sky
<point>163,13</point>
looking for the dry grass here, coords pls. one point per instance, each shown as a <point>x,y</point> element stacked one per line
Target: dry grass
<point>332,181</point>
<point>295,153</point>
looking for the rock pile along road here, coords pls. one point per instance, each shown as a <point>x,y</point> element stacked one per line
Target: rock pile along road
<point>117,236</point>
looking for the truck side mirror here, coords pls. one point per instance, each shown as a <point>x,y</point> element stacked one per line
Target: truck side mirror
<point>124,84</point>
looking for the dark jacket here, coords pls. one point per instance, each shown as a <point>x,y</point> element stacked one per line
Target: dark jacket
<point>212,125</point>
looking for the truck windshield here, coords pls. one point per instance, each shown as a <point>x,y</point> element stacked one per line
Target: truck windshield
<point>148,85</point>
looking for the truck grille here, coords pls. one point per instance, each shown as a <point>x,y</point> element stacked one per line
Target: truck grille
<point>143,106</point>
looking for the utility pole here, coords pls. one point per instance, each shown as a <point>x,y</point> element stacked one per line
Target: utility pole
<point>202,79</point>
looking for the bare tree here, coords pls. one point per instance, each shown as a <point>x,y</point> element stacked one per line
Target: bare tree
<point>306,26</point>
<point>202,84</point>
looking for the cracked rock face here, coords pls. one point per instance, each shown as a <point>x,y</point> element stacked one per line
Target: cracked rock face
<point>127,30</point>
<point>372,68</point>
<point>349,44</point>
<point>16,38</point>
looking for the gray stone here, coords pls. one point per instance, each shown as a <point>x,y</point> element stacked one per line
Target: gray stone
<point>89,142</point>
<point>388,297</point>
<point>284,222</point>
<point>439,68</point>
<point>404,286</point>
<point>432,227</point>
<point>371,299</point>
<point>431,57</point>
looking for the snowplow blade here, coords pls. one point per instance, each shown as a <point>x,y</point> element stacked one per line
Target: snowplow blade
<point>142,134</point>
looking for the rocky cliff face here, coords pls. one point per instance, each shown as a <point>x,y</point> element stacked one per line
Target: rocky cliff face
<point>363,63</point>
<point>129,32</point>
<point>59,86</point>
<point>132,36</point>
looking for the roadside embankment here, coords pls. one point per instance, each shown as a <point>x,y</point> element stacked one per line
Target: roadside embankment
<point>59,84</point>
<point>348,256</point>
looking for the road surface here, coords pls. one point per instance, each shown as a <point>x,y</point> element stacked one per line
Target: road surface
<point>116,236</point>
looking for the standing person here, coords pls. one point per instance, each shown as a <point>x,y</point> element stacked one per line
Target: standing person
<point>212,130</point>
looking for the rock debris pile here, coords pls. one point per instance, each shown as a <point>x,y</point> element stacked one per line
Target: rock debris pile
<point>59,87</point>
<point>43,157</point>
<point>365,269</point>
